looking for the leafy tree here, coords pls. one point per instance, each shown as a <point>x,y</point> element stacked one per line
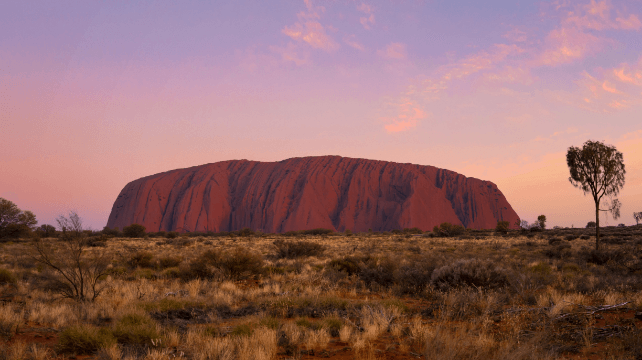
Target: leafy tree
<point>541,220</point>
<point>47,230</point>
<point>134,231</point>
<point>111,232</point>
<point>597,169</point>
<point>15,222</point>
<point>637,216</point>
<point>590,224</point>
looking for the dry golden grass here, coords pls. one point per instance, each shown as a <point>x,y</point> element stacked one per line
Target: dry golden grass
<point>387,307</point>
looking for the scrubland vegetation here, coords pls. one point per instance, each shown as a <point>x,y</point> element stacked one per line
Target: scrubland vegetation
<point>449,294</point>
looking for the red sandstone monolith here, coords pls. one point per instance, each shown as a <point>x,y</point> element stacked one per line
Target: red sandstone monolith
<point>330,192</point>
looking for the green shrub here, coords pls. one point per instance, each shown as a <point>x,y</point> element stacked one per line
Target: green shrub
<point>333,325</point>
<point>502,227</point>
<point>542,268</point>
<point>84,339</point>
<point>134,231</point>
<point>111,232</point>
<point>171,273</point>
<point>245,232</point>
<point>7,277</point>
<point>348,264</point>
<point>447,229</point>
<point>318,231</point>
<point>238,263</point>
<point>144,274</point>
<point>171,235</point>
<point>414,230</point>
<point>169,261</point>
<point>303,322</point>
<point>135,329</point>
<point>242,330</point>
<point>242,262</point>
<point>142,259</point>
<point>473,272</point>
<point>295,249</point>
<point>270,322</point>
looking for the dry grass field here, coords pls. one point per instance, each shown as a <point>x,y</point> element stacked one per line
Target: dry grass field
<point>543,295</point>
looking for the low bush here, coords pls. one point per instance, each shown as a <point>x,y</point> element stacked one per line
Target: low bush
<point>349,264</point>
<point>602,257</point>
<point>318,231</point>
<point>169,261</point>
<point>7,277</point>
<point>414,230</point>
<point>135,329</point>
<point>560,251</point>
<point>245,232</point>
<point>571,237</point>
<point>554,240</point>
<point>134,231</point>
<point>171,235</point>
<point>473,272</point>
<point>242,262</point>
<point>502,227</point>
<point>448,230</point>
<point>84,339</point>
<point>10,320</point>
<point>111,232</point>
<point>237,264</point>
<point>295,249</point>
<point>141,259</point>
<point>380,271</point>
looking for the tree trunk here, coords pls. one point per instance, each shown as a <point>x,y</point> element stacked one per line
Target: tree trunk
<point>597,227</point>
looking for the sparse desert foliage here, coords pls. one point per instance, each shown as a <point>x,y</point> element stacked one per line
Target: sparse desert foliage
<point>597,169</point>
<point>637,216</point>
<point>477,295</point>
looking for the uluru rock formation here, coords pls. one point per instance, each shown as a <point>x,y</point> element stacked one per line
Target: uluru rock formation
<point>330,192</point>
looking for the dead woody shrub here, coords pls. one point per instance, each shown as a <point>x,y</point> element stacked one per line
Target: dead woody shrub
<point>75,271</point>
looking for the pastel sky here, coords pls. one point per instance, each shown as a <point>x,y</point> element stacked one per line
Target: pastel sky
<point>96,94</point>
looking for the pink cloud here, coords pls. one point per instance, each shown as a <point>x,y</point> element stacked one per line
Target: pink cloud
<point>480,61</point>
<point>393,51</point>
<point>567,45</point>
<point>612,89</point>
<point>596,15</point>
<point>352,42</point>
<point>409,116</point>
<point>313,33</point>
<point>291,53</point>
<point>511,75</point>
<point>369,19</point>
<point>515,35</point>
<point>309,30</point>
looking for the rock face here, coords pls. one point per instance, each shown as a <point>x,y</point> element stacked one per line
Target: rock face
<point>330,192</point>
